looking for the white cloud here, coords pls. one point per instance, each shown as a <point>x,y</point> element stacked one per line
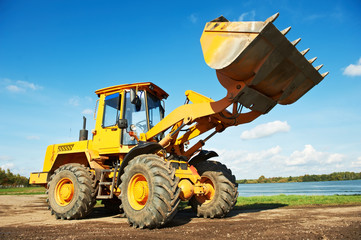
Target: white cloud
<point>247,164</point>
<point>334,158</point>
<point>33,138</point>
<point>25,85</point>
<point>193,18</point>
<point>7,166</point>
<point>353,70</point>
<point>74,101</point>
<point>259,156</point>
<point>5,158</point>
<point>357,163</point>
<point>265,130</point>
<point>20,86</point>
<point>242,156</point>
<point>14,89</point>
<point>302,157</point>
<point>5,162</point>
<point>249,16</point>
<point>87,111</point>
<point>273,162</point>
<point>309,155</point>
<point>314,17</point>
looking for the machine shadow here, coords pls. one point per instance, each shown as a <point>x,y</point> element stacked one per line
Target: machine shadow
<point>184,216</point>
<point>101,212</point>
<point>256,207</point>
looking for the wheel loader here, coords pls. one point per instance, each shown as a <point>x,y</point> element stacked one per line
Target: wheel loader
<point>140,162</point>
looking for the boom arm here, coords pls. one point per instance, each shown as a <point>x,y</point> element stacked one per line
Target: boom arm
<point>203,115</point>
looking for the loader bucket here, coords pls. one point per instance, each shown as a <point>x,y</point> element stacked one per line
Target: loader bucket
<point>258,59</point>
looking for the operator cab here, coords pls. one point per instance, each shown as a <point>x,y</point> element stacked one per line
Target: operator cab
<point>128,111</point>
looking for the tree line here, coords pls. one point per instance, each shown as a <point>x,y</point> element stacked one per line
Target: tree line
<point>8,179</point>
<point>336,176</point>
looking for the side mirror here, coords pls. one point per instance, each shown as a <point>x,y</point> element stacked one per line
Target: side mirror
<point>122,123</point>
<point>134,99</point>
<point>133,96</point>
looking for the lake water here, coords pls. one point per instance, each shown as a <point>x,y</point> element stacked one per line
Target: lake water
<point>301,188</point>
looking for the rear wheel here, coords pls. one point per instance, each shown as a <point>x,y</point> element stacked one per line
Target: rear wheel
<point>222,190</point>
<point>70,192</point>
<point>149,191</point>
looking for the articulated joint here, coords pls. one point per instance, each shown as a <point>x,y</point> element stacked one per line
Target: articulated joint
<point>188,190</point>
<point>201,189</point>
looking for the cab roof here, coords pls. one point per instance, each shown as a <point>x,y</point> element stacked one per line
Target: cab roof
<point>148,86</point>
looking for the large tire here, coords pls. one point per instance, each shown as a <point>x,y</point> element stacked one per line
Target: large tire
<point>223,190</point>
<point>149,191</point>
<point>71,192</point>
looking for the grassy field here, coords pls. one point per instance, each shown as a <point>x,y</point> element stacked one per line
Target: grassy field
<point>294,200</point>
<point>22,191</point>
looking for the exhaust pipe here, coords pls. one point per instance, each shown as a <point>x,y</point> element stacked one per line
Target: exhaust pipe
<point>83,134</point>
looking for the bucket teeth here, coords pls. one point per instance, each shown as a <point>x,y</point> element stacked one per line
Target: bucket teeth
<point>305,51</point>
<point>312,60</point>
<point>220,19</point>
<point>272,18</point>
<point>324,74</point>
<point>294,43</point>
<point>319,67</point>
<point>285,31</point>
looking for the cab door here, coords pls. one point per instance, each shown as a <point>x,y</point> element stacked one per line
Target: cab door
<point>107,138</point>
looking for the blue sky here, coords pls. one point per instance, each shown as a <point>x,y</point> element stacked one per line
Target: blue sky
<point>55,54</point>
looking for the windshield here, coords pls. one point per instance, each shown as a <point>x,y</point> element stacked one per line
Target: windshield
<point>137,118</point>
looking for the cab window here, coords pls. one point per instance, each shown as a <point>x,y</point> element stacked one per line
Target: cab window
<point>111,110</point>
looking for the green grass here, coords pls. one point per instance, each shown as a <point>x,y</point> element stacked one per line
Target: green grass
<point>277,201</point>
<point>22,191</point>
<point>266,202</point>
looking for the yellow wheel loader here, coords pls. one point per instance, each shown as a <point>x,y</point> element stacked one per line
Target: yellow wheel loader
<point>139,161</point>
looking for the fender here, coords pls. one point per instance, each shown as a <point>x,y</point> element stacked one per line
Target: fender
<point>141,148</point>
<point>203,156</point>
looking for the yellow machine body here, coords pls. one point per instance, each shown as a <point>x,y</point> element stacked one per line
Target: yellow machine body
<point>254,62</point>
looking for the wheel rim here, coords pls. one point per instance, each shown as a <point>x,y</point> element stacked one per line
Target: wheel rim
<point>208,197</point>
<point>64,192</point>
<point>138,191</point>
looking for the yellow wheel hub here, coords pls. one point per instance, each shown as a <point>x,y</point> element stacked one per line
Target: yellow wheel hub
<point>138,191</point>
<point>64,192</point>
<point>209,191</point>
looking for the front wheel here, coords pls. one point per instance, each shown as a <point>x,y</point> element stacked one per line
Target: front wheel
<point>222,190</point>
<point>149,191</point>
<point>70,192</point>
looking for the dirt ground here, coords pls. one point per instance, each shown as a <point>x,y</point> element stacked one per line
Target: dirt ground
<point>27,217</point>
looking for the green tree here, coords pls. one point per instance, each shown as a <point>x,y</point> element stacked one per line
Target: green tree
<point>3,178</point>
<point>261,179</point>
<point>7,178</point>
